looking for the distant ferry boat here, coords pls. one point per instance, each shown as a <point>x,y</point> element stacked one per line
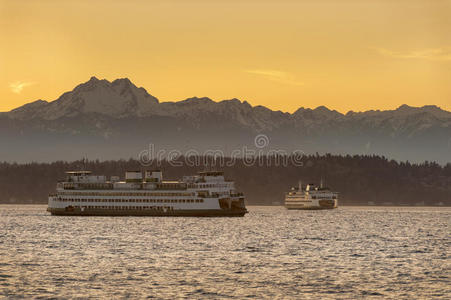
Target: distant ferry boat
<point>207,194</point>
<point>312,197</point>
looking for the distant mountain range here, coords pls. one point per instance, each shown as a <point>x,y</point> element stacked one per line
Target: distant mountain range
<point>111,120</point>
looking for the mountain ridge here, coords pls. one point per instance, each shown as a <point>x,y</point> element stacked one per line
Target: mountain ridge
<point>127,88</point>
<point>115,119</point>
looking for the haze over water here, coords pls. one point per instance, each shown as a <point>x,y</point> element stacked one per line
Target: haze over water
<point>350,252</point>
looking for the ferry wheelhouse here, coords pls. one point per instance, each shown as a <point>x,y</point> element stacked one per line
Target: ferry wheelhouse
<point>205,194</point>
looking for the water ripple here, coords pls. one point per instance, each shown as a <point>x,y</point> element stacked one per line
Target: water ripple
<point>351,252</point>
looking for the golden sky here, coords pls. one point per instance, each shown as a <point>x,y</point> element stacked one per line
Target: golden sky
<point>346,55</point>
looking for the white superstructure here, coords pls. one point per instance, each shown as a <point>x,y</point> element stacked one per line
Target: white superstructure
<point>312,197</point>
<point>205,194</point>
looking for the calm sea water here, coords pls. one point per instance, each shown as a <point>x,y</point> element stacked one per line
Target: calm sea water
<point>350,252</point>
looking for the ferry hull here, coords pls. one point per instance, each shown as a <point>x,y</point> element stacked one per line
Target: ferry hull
<point>318,205</point>
<point>309,208</point>
<point>150,212</point>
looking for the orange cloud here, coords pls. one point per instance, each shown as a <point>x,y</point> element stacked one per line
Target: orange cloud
<point>275,75</point>
<point>442,54</point>
<point>18,86</point>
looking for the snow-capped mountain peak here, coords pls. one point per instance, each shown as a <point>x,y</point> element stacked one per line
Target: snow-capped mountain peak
<point>120,98</point>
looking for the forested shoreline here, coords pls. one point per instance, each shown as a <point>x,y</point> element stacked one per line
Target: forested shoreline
<point>361,180</point>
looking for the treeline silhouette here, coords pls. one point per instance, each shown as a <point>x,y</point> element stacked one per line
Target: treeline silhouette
<point>360,180</point>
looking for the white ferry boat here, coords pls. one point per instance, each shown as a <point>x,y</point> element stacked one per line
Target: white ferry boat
<point>312,197</point>
<point>205,194</point>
